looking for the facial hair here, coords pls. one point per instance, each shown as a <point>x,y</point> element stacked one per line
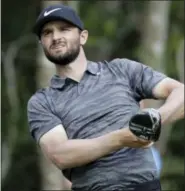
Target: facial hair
<point>64,59</point>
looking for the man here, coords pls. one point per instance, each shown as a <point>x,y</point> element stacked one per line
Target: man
<point>81,121</point>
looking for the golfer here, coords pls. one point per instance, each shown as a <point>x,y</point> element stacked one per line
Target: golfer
<point>81,120</point>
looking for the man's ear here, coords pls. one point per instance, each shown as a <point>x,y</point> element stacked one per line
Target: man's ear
<point>83,37</point>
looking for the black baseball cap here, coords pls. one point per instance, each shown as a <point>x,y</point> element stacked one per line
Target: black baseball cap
<point>54,13</point>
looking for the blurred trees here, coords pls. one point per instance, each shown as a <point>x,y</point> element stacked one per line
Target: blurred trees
<point>116,29</point>
<point>152,50</point>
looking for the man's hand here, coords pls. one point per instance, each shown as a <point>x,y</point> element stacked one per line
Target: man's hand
<point>131,140</point>
<point>146,124</point>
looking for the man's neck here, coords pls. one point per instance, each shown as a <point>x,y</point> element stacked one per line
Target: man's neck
<point>74,70</point>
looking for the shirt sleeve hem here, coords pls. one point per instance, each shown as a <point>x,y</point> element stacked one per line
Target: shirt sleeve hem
<point>45,130</point>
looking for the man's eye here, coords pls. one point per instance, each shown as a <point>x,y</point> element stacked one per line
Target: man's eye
<point>46,33</point>
<point>64,29</point>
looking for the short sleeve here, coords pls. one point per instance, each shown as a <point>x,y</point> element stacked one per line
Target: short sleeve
<point>40,117</point>
<point>142,78</point>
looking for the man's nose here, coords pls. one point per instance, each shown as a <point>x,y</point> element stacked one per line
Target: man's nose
<point>57,35</point>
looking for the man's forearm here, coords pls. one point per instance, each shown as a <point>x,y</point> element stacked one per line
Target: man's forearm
<point>74,153</point>
<point>173,108</point>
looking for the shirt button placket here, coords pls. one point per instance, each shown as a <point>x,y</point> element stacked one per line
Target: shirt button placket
<point>79,88</point>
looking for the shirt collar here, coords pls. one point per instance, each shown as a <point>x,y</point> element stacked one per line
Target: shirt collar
<point>58,82</point>
<point>93,67</point>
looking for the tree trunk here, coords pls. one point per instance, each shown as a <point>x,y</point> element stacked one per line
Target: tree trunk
<point>52,177</point>
<point>152,51</point>
<point>180,60</point>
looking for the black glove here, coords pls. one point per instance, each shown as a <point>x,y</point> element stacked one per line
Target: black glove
<point>146,124</point>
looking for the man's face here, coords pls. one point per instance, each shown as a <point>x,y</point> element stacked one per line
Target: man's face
<point>61,42</point>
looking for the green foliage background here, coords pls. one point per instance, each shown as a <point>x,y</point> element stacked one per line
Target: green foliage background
<point>114,28</point>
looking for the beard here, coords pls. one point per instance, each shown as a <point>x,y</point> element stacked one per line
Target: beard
<point>64,59</point>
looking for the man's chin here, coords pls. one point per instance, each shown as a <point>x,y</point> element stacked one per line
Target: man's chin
<point>60,61</point>
<point>58,53</point>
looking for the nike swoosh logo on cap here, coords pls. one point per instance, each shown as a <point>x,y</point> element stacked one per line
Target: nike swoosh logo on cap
<point>51,11</point>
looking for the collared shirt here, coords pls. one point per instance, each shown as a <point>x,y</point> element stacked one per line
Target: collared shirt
<point>103,101</point>
<point>58,82</point>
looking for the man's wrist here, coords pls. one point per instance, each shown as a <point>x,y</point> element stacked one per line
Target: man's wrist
<point>125,137</point>
<point>163,114</point>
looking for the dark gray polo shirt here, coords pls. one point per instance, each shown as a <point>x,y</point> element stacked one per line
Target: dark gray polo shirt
<point>103,101</point>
